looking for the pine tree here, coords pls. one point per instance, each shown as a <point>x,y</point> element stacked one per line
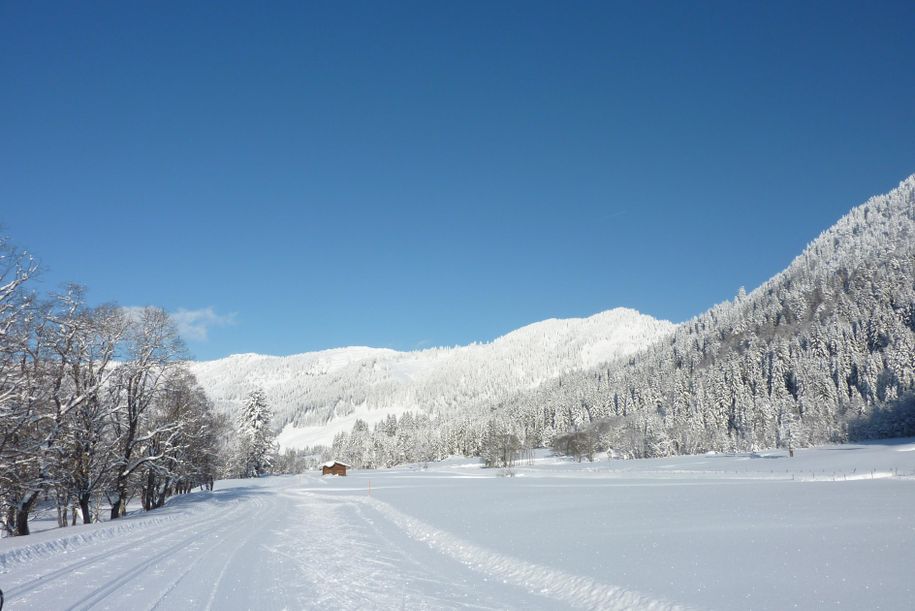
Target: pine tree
<point>256,449</point>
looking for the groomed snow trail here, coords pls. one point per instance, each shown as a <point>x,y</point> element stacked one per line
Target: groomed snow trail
<point>563,587</point>
<point>280,543</point>
<point>765,532</point>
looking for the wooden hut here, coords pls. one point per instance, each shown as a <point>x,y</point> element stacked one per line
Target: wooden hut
<point>334,467</point>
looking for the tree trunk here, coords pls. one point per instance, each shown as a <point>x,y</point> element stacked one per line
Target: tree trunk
<point>22,514</point>
<point>84,508</point>
<point>118,508</point>
<point>163,493</point>
<point>149,492</point>
<point>22,522</point>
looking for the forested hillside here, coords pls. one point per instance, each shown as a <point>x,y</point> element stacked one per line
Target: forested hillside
<point>824,351</point>
<point>319,393</point>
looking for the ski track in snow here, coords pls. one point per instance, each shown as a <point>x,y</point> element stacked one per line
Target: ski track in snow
<point>573,590</point>
<point>76,543</point>
<point>124,562</point>
<point>284,547</point>
<point>351,562</point>
<point>453,538</point>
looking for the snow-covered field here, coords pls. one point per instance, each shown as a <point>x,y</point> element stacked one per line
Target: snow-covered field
<point>833,527</point>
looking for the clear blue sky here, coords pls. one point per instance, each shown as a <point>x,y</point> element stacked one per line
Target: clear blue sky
<point>434,173</point>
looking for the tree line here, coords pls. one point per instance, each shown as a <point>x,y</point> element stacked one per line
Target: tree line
<point>98,407</point>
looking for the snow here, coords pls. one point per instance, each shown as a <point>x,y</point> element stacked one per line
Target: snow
<point>316,395</point>
<point>830,527</point>
<point>308,436</point>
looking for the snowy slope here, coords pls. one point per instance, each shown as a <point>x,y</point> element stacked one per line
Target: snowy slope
<point>829,528</point>
<point>820,352</point>
<point>321,393</point>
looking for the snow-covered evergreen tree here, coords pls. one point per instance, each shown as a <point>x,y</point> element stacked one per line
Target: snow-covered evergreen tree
<point>256,450</point>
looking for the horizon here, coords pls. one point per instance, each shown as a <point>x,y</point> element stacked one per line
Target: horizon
<point>481,342</point>
<point>314,177</point>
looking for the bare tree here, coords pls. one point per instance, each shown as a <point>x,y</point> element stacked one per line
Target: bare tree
<point>183,443</point>
<point>16,317</point>
<point>90,451</point>
<point>93,402</point>
<point>152,351</point>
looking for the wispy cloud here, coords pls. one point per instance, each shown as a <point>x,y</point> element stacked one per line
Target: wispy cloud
<point>133,313</point>
<point>193,325</point>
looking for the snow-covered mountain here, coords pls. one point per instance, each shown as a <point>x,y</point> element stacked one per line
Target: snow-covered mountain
<point>318,394</point>
<point>823,351</point>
